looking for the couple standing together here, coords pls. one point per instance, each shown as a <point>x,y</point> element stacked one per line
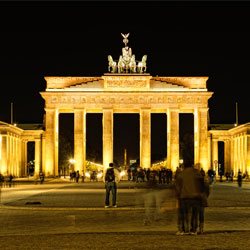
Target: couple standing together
<point>192,191</point>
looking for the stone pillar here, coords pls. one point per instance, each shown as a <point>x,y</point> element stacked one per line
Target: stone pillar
<point>107,127</point>
<point>37,157</point>
<point>43,152</point>
<point>20,163</point>
<point>16,162</point>
<point>24,158</point>
<point>51,127</point>
<point>80,140</point>
<point>227,151</point>
<point>145,138</point>
<point>235,154</point>
<point>231,153</point>
<point>248,154</point>
<point>3,152</point>
<point>241,165</point>
<point>173,150</point>
<point>244,153</point>
<point>215,154</point>
<point>201,137</point>
<point>10,154</point>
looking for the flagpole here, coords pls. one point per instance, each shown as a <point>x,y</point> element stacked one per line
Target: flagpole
<point>236,114</point>
<point>11,113</point>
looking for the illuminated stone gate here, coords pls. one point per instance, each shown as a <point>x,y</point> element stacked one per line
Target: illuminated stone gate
<point>125,93</point>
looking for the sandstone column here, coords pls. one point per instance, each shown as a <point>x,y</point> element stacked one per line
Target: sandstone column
<point>227,151</point>
<point>107,125</point>
<point>51,147</point>
<point>80,140</point>
<point>173,139</point>
<point>145,138</point>
<point>248,153</point>
<point>37,157</point>
<point>3,152</point>
<point>215,154</point>
<point>201,136</point>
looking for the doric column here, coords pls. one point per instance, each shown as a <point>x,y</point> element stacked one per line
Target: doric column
<point>37,157</point>
<point>145,138</point>
<point>19,155</point>
<point>235,163</point>
<point>238,155</point>
<point>227,156</point>
<point>43,152</point>
<point>3,154</point>
<point>173,150</point>
<point>201,136</point>
<point>107,128</point>
<point>16,159</point>
<point>242,162</point>
<point>51,159</point>
<point>24,158</point>
<point>80,140</point>
<point>248,154</point>
<point>215,153</point>
<point>231,153</point>
<point>10,154</point>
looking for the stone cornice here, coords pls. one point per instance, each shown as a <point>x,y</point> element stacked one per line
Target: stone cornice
<point>60,82</point>
<point>192,82</point>
<point>125,82</point>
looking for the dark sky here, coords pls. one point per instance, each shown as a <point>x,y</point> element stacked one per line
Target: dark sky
<point>65,38</point>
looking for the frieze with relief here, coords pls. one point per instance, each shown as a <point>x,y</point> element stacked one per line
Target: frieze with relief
<point>126,99</point>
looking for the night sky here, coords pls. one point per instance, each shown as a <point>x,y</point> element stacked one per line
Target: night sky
<point>66,38</point>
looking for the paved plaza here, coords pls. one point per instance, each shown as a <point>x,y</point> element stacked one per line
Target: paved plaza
<point>63,215</point>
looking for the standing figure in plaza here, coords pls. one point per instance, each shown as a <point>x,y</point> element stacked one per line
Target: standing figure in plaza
<point>239,178</point>
<point>205,191</point>
<point>41,176</point>
<point>111,178</point>
<point>188,190</point>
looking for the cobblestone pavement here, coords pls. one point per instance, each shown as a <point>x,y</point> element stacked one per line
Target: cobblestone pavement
<point>62,215</point>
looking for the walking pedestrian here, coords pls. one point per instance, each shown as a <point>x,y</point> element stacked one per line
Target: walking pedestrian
<point>188,189</point>
<point>111,178</point>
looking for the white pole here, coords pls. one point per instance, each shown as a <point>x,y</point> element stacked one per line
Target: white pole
<point>11,113</point>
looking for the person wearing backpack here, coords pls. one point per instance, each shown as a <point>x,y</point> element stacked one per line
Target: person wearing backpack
<point>111,178</point>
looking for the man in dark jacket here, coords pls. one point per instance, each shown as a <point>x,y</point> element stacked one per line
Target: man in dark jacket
<point>189,190</point>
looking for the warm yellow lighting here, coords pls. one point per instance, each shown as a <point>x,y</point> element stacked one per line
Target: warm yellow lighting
<point>0,147</point>
<point>72,161</point>
<point>122,173</point>
<point>87,174</point>
<point>99,175</point>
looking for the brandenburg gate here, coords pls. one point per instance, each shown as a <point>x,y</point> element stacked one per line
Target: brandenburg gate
<point>126,88</point>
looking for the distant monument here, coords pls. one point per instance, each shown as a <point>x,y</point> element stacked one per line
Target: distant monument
<point>127,62</point>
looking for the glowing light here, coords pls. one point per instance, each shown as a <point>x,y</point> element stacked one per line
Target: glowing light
<point>87,174</point>
<point>122,173</point>
<point>99,175</point>
<point>72,161</point>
